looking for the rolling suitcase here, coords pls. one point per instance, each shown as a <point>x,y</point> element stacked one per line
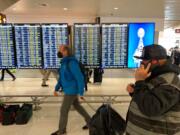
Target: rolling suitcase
<point>98,75</point>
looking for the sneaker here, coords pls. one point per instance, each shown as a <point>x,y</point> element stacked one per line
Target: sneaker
<point>63,134</point>
<point>45,85</point>
<point>14,79</point>
<point>57,133</point>
<point>89,82</point>
<point>85,127</point>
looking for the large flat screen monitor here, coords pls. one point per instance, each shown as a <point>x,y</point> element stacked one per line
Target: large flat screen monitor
<point>53,35</point>
<point>140,35</point>
<point>28,45</point>
<point>87,44</point>
<point>7,48</point>
<point>114,45</point>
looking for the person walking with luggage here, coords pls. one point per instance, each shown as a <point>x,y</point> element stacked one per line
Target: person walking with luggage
<point>72,84</point>
<point>9,72</point>
<point>155,104</point>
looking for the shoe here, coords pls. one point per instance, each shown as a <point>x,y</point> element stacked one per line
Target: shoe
<point>14,78</point>
<point>85,127</point>
<point>63,134</point>
<point>89,82</point>
<point>1,79</point>
<point>45,85</point>
<point>57,133</point>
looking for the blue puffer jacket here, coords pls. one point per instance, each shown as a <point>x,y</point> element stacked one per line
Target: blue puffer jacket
<point>70,77</point>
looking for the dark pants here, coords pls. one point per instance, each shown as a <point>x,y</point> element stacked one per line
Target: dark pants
<point>176,61</point>
<point>3,71</point>
<point>66,104</point>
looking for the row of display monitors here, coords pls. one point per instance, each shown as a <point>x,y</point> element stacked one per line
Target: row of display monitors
<point>95,45</point>
<point>31,45</point>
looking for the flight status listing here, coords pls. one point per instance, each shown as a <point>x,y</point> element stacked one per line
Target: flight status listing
<point>53,35</point>
<point>7,49</point>
<point>114,45</point>
<point>87,44</point>
<point>28,45</point>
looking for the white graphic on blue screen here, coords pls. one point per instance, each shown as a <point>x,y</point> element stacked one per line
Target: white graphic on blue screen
<point>138,52</point>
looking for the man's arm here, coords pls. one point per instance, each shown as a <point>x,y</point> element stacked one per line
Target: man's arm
<point>155,101</point>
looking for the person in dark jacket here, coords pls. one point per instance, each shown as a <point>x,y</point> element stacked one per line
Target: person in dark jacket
<point>176,56</point>
<point>155,105</point>
<point>71,81</point>
<point>9,72</point>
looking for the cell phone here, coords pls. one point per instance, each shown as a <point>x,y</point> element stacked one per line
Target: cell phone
<point>132,85</point>
<point>145,65</point>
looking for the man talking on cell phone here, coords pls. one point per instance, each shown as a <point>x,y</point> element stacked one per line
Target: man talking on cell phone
<point>155,104</point>
<point>71,81</point>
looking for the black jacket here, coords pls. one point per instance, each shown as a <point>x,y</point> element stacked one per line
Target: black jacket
<point>158,100</point>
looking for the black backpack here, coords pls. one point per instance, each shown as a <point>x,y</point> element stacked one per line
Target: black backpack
<point>106,121</point>
<point>24,114</point>
<point>9,114</point>
<point>83,71</point>
<point>1,112</point>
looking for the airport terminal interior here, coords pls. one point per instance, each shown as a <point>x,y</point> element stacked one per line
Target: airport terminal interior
<point>104,36</point>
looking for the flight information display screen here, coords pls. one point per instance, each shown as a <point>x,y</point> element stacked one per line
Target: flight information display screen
<point>87,44</point>
<point>7,48</point>
<point>114,45</point>
<point>53,35</point>
<point>28,45</point>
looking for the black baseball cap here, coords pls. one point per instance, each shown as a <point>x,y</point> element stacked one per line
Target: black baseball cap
<point>153,51</point>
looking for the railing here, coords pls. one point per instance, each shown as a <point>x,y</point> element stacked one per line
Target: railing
<point>36,100</point>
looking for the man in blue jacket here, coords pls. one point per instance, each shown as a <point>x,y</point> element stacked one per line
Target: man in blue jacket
<point>71,81</point>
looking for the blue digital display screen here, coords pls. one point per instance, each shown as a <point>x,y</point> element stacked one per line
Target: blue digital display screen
<point>7,53</point>
<point>140,35</point>
<point>53,35</point>
<point>28,45</point>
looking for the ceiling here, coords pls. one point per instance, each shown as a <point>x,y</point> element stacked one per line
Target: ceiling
<point>165,9</point>
<point>4,4</point>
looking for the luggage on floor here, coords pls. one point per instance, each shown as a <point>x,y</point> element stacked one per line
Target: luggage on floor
<point>24,114</point>
<point>9,114</point>
<point>1,112</point>
<point>106,121</point>
<point>98,75</point>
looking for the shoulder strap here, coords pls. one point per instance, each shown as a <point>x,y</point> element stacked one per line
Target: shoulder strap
<point>68,65</point>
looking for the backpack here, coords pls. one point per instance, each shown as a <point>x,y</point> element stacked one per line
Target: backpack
<point>24,114</point>
<point>106,121</point>
<point>9,114</point>
<point>1,112</point>
<point>83,71</point>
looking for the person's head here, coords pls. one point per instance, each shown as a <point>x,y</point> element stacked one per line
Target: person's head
<point>154,54</point>
<point>64,51</point>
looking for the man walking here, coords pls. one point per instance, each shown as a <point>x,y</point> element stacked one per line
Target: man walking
<point>72,83</point>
